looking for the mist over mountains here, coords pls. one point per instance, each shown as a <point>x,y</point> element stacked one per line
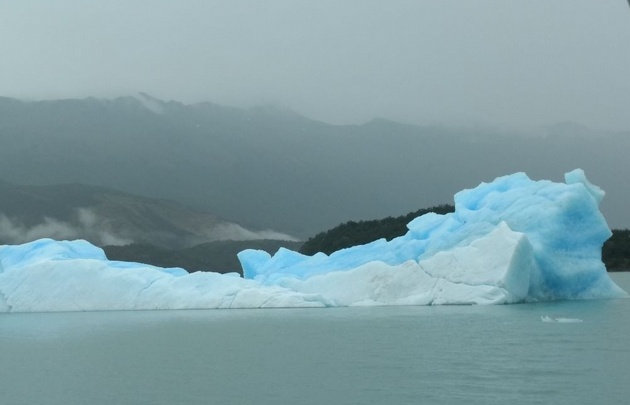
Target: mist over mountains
<point>108,217</point>
<point>269,168</point>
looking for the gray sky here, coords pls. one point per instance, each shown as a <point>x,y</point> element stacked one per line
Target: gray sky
<point>506,62</point>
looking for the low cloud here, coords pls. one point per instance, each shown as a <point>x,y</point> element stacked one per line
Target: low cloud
<point>87,226</point>
<point>231,231</point>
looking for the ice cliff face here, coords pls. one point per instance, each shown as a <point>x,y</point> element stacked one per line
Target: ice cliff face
<point>512,240</point>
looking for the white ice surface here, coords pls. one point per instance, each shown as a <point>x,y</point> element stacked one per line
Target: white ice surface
<point>512,240</point>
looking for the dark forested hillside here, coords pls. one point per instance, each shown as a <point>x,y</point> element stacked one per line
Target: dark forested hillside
<point>354,233</point>
<point>616,251</point>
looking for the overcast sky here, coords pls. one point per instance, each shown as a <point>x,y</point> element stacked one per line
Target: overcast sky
<point>506,62</point>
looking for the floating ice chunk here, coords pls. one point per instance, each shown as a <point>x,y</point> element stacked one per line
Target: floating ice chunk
<point>47,275</point>
<point>549,319</point>
<point>512,240</point>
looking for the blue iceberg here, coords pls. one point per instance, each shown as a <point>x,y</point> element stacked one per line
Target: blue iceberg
<point>509,241</point>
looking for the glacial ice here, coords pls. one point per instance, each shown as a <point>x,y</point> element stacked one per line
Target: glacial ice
<point>509,241</point>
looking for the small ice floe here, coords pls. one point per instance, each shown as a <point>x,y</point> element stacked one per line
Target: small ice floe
<point>559,319</point>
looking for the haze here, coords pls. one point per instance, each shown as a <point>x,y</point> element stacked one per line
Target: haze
<point>514,63</point>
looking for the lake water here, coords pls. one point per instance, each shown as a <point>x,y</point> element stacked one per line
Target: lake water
<point>391,355</point>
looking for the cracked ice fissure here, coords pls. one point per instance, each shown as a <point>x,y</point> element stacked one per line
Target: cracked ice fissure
<point>512,240</point>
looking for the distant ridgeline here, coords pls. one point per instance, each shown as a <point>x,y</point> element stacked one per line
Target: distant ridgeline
<point>220,256</point>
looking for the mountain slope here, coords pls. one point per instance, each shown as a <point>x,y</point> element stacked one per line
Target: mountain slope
<point>269,168</point>
<point>108,217</point>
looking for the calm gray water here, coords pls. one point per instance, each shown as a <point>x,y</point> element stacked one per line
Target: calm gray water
<point>400,355</point>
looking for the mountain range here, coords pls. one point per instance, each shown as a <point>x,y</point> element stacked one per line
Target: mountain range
<point>262,169</point>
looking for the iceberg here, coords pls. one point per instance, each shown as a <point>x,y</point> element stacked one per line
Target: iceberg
<point>509,241</point>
